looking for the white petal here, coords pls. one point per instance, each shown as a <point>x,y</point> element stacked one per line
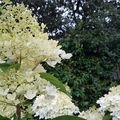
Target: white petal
<point>11,96</point>
<point>30,94</point>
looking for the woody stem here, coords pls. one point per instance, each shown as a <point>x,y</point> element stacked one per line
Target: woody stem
<point>18,112</point>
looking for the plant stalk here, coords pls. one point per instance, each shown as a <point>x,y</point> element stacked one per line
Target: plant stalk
<point>18,112</point>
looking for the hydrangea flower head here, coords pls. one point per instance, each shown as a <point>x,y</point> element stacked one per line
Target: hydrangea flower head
<point>23,42</point>
<point>111,102</point>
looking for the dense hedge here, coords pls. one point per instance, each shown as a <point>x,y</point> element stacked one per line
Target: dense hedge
<point>89,73</point>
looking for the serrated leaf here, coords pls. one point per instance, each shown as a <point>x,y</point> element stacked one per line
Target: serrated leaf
<point>68,117</point>
<point>53,80</point>
<point>107,117</point>
<point>3,118</point>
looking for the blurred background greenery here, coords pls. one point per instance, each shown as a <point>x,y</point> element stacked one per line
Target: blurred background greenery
<point>90,30</point>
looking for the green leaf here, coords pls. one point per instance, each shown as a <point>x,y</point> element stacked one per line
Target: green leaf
<point>107,117</point>
<point>53,80</point>
<point>5,66</point>
<point>1,9</point>
<point>3,118</point>
<point>28,116</point>
<point>68,117</point>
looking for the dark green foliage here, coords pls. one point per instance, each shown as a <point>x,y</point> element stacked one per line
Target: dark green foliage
<point>50,12</point>
<point>95,45</point>
<point>3,118</point>
<point>89,73</point>
<point>107,117</point>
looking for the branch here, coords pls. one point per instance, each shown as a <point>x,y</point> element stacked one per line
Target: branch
<point>18,112</point>
<point>35,66</point>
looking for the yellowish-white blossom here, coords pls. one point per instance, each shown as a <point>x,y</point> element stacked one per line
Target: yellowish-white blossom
<point>92,114</point>
<point>7,107</point>
<point>23,42</point>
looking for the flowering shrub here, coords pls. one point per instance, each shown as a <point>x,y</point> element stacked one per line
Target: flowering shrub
<point>111,103</point>
<point>26,90</point>
<point>109,107</point>
<point>23,48</point>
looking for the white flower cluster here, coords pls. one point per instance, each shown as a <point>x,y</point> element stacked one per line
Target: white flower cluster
<point>111,102</point>
<point>92,114</point>
<point>53,104</point>
<point>22,41</point>
<point>15,87</point>
<point>108,103</point>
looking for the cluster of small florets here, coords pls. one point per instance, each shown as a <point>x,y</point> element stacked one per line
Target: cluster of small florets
<point>111,102</point>
<point>108,103</point>
<point>92,114</point>
<point>53,104</point>
<point>22,41</point>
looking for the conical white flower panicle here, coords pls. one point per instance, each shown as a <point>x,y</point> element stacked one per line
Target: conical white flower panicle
<point>49,106</point>
<point>23,42</point>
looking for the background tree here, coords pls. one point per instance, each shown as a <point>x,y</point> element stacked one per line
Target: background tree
<point>95,46</point>
<point>48,12</point>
